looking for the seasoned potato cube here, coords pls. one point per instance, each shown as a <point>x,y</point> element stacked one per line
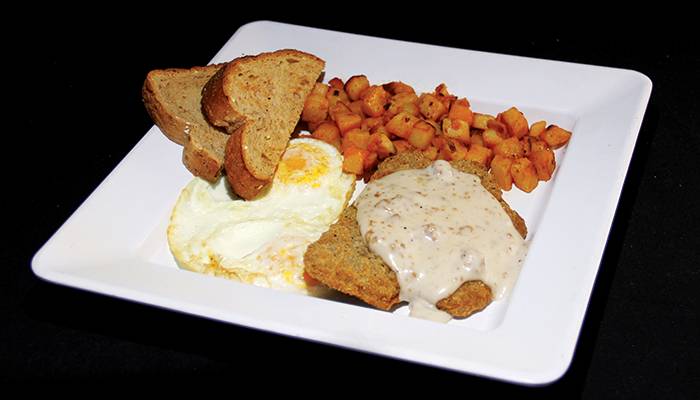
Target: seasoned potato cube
<point>353,160</point>
<point>524,175</point>
<point>510,147</point>
<point>444,96</point>
<point>401,124</point>
<point>402,102</point>
<point>373,101</point>
<point>481,120</point>
<point>479,154</point>
<point>379,143</point>
<point>355,86</point>
<point>477,138</point>
<point>431,107</point>
<point>311,126</point>
<point>356,138</point>
<point>498,126</point>
<point>544,163</point>
<point>370,161</point>
<point>320,89</point>
<point>500,168</point>
<point>356,107</point>
<point>421,135</point>
<point>456,129</point>
<point>516,122</point>
<point>460,110</point>
<point>398,87</point>
<point>410,108</point>
<point>430,152</point>
<point>329,133</point>
<point>335,95</point>
<point>457,150</point>
<point>402,146</point>
<point>491,138</point>
<point>336,83</point>
<point>348,121</point>
<point>370,123</point>
<point>537,145</point>
<point>555,137</point>
<point>537,128</point>
<point>315,108</point>
<point>337,109</point>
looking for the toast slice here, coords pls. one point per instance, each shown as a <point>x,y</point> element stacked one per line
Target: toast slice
<point>258,100</point>
<point>341,260</point>
<point>173,100</point>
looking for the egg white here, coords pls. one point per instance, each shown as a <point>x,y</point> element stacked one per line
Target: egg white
<point>262,241</point>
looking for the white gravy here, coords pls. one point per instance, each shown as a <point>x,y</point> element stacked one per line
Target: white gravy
<point>437,228</point>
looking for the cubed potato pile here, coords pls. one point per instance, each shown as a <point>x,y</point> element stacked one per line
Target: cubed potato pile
<point>368,123</point>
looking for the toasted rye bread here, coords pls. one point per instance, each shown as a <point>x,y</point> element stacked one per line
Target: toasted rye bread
<point>259,99</point>
<point>173,99</point>
<point>341,260</point>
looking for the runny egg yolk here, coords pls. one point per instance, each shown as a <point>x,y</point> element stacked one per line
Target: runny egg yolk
<point>304,166</point>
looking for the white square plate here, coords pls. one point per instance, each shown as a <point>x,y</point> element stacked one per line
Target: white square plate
<point>528,338</point>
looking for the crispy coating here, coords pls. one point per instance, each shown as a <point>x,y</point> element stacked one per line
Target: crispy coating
<point>341,260</point>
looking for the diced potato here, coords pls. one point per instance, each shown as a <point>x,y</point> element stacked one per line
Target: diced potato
<point>400,102</point>
<point>500,168</point>
<point>353,160</point>
<point>430,152</point>
<point>329,133</point>
<point>370,161</point>
<point>336,83</point>
<point>537,128</point>
<point>460,110</point>
<point>439,141</point>
<point>356,138</point>
<point>373,101</point>
<point>479,154</point>
<point>498,126</point>
<point>555,137</point>
<point>335,95</point>
<point>320,89</point>
<point>444,96</point>
<point>544,163</point>
<point>348,121</point>
<point>456,129</point>
<point>524,174</point>
<point>355,86</point>
<point>510,147</point>
<point>515,121</point>
<point>491,138</point>
<point>421,135</point>
<point>398,87</point>
<point>379,143</point>
<point>410,108</point>
<point>315,108</point>
<point>356,107</point>
<point>402,146</point>
<point>431,107</point>
<point>337,109</point>
<point>369,123</point>
<point>477,138</point>
<point>457,150</point>
<point>311,126</point>
<point>526,144</point>
<point>401,124</point>
<point>481,120</point>
<point>537,145</point>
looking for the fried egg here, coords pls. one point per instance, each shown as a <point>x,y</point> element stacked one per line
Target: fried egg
<point>262,241</point>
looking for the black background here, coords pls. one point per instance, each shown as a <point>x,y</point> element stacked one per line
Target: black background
<point>76,89</point>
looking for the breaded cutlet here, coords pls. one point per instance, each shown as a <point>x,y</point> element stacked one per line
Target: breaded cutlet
<point>341,260</point>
